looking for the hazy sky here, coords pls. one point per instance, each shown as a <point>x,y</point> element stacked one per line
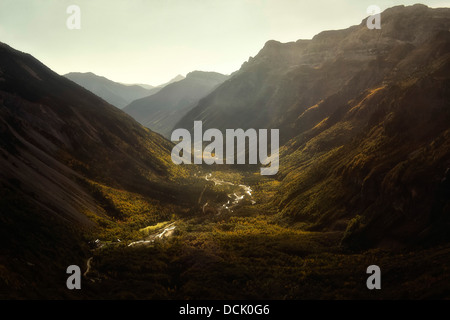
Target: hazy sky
<point>151,41</point>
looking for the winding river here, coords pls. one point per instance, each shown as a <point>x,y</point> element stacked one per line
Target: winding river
<point>235,197</point>
<point>233,200</point>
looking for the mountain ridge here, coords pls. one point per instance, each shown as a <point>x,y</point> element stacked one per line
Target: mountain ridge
<point>307,71</point>
<point>162,110</point>
<point>69,161</point>
<point>115,93</point>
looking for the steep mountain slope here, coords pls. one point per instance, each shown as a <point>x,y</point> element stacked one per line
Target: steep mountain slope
<point>161,111</point>
<point>378,158</point>
<point>68,159</point>
<point>115,93</point>
<point>364,119</point>
<point>285,79</point>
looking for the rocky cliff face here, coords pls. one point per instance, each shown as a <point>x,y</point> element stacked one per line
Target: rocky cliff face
<point>285,79</point>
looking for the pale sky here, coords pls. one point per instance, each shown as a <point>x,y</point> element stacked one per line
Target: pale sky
<point>151,41</point>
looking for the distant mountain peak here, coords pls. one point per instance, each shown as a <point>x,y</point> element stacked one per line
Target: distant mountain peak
<point>204,75</point>
<point>176,79</point>
<point>115,93</point>
<point>162,110</point>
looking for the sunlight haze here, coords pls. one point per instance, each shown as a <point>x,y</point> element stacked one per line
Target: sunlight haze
<point>152,41</point>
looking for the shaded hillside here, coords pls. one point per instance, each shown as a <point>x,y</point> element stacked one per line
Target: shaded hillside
<point>161,111</point>
<point>364,119</point>
<point>68,160</point>
<point>117,94</point>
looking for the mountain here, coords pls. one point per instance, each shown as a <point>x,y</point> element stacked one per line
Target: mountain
<point>364,177</point>
<point>115,93</point>
<point>177,78</point>
<point>143,85</point>
<point>161,111</point>
<point>70,163</point>
<point>364,119</point>
<point>284,80</point>
<point>149,87</point>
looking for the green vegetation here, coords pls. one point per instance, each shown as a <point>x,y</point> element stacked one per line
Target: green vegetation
<point>254,258</point>
<point>151,229</point>
<point>251,253</point>
<point>376,159</point>
<point>125,215</point>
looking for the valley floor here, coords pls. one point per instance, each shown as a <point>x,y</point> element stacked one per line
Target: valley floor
<point>248,253</point>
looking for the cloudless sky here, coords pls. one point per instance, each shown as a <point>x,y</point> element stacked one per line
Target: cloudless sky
<point>151,41</point>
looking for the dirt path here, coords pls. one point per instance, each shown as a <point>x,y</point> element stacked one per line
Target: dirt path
<point>88,266</point>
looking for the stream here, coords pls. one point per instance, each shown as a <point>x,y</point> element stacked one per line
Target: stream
<point>234,199</point>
